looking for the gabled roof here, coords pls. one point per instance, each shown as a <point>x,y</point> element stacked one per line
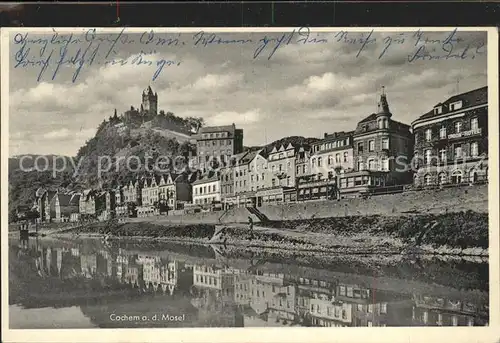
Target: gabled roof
<point>248,158</point>
<point>471,98</point>
<point>64,199</point>
<point>75,200</point>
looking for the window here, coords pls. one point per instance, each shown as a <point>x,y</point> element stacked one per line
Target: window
<point>425,317</point>
<point>428,156</point>
<point>456,177</point>
<point>385,143</point>
<point>474,124</point>
<point>369,323</point>
<point>385,164</point>
<point>262,176</point>
<point>273,182</point>
<point>458,127</point>
<point>442,132</point>
<point>330,159</point>
<point>337,158</point>
<point>280,167</point>
<point>371,164</point>
<point>474,149</point>
<point>442,178</point>
<point>383,308</point>
<point>346,156</point>
<point>360,147</point>
<point>428,135</point>
<point>458,151</point>
<point>456,105</point>
<point>371,145</point>
<point>454,320</point>
<point>442,155</point>
<point>360,165</point>
<point>320,160</point>
<point>427,179</point>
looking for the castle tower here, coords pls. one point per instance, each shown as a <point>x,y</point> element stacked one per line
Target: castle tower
<point>383,113</point>
<point>150,101</point>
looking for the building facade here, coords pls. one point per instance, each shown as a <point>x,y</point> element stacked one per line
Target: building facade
<point>379,145</point>
<point>281,162</point>
<point>451,141</point>
<point>217,143</point>
<point>330,157</point>
<point>206,190</point>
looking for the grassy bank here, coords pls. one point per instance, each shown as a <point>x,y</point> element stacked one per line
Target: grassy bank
<point>461,233</point>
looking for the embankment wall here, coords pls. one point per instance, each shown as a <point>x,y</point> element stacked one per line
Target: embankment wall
<point>473,198</point>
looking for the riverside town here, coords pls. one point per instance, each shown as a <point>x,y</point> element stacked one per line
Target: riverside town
<point>447,147</point>
<point>383,225</point>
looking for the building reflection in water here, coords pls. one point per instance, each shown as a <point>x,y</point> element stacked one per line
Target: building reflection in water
<point>228,296</point>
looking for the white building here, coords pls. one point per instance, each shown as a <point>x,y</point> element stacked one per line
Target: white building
<point>206,190</point>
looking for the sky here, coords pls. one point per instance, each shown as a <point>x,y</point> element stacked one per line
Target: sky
<point>305,89</point>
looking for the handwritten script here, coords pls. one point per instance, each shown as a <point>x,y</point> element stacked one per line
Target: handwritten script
<point>49,54</point>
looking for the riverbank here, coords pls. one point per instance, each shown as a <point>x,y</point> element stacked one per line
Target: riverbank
<point>460,233</point>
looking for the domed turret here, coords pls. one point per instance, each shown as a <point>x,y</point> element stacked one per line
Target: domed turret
<point>383,106</point>
<point>383,113</point>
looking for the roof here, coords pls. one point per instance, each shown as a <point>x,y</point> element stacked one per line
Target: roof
<point>206,179</point>
<point>334,136</point>
<point>471,98</point>
<point>64,199</point>
<point>224,128</point>
<point>248,157</point>
<point>371,117</point>
<point>75,200</point>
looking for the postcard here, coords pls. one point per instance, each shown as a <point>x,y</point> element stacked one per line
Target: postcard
<point>258,184</point>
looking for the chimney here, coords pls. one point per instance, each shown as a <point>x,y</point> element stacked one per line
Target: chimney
<point>326,134</point>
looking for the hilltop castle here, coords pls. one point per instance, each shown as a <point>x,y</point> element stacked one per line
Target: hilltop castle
<point>149,102</point>
<point>147,110</point>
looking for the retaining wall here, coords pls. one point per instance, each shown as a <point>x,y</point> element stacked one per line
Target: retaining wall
<point>458,199</point>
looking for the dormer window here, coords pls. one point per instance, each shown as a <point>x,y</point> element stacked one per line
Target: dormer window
<point>456,105</point>
<point>438,109</point>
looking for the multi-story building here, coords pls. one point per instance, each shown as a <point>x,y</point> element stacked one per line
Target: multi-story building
<point>380,144</point>
<point>87,204</point>
<point>281,162</point>
<point>441,311</point>
<point>175,190</point>
<point>302,162</point>
<point>150,191</point>
<point>206,190</point>
<point>242,192</point>
<point>451,141</point>
<point>63,205</point>
<point>44,198</point>
<point>227,186</point>
<point>121,209</point>
<point>133,193</point>
<point>217,143</point>
<point>330,157</point>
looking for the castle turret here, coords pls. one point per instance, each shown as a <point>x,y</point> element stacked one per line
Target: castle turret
<point>383,113</point>
<point>149,101</point>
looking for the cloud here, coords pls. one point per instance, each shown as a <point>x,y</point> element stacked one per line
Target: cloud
<point>212,82</point>
<point>239,118</point>
<point>305,89</point>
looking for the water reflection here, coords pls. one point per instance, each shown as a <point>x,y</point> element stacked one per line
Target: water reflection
<point>150,283</point>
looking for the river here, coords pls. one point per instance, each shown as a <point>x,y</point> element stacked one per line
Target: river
<point>87,283</point>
